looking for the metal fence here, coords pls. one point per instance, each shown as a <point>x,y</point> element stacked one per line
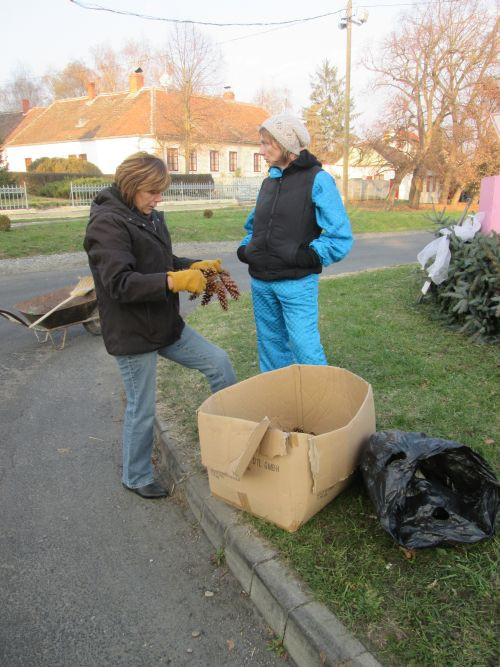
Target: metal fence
<point>361,189</point>
<point>13,197</point>
<point>82,195</point>
<point>241,191</point>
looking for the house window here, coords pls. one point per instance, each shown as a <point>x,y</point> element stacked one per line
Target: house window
<point>173,159</point>
<point>82,156</point>
<point>193,161</point>
<point>27,161</point>
<point>257,162</point>
<point>233,160</point>
<point>214,160</point>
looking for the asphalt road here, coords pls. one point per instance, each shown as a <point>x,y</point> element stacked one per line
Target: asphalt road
<point>91,574</point>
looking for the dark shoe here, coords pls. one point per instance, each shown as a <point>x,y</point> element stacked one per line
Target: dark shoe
<point>153,490</point>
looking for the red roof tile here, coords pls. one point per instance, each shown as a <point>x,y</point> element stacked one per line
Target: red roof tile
<point>9,130</point>
<point>151,111</point>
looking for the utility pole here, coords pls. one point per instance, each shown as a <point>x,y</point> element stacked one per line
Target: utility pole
<point>346,22</point>
<point>347,114</point>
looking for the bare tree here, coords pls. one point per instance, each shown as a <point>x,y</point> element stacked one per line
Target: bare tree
<point>109,68</point>
<point>23,85</point>
<point>433,65</point>
<point>192,66</point>
<point>141,54</point>
<point>71,81</point>
<point>274,99</point>
<point>469,147</point>
<point>485,160</point>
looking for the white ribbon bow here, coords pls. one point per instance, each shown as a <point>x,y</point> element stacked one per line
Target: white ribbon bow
<point>440,249</point>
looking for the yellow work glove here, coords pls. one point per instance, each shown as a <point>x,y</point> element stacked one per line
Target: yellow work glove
<point>189,280</point>
<point>214,264</point>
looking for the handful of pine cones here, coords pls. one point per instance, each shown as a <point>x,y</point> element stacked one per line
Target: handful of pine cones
<point>220,285</point>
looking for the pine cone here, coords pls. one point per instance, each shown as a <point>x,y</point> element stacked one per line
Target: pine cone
<point>221,294</point>
<point>218,284</point>
<point>230,285</point>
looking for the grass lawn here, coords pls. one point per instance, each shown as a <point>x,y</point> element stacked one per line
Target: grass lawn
<point>437,609</point>
<point>225,225</point>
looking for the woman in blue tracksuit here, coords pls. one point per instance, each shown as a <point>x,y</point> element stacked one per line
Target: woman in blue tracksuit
<point>298,225</point>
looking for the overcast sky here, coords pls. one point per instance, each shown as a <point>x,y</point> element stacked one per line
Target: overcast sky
<point>50,33</point>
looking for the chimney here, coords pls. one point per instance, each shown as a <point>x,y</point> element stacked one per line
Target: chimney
<point>136,80</point>
<point>26,105</point>
<point>91,92</point>
<point>228,95</point>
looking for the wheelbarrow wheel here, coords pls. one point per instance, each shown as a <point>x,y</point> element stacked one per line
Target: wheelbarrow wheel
<point>94,326</point>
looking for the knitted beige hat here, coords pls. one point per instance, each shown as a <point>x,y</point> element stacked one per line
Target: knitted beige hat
<point>288,131</point>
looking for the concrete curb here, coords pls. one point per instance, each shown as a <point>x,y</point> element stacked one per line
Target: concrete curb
<point>311,634</point>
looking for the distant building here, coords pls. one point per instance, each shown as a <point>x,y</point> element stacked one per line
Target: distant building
<point>10,120</point>
<point>106,128</point>
<point>368,166</point>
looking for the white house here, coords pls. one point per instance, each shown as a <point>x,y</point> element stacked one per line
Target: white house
<point>106,128</point>
<point>370,166</point>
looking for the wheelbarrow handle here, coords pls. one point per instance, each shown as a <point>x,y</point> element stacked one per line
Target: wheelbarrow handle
<point>12,317</point>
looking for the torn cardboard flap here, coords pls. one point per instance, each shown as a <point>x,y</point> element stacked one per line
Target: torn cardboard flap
<point>229,444</point>
<point>237,467</point>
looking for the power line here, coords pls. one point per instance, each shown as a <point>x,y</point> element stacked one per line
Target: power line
<point>121,12</point>
<point>289,22</point>
<point>278,25</point>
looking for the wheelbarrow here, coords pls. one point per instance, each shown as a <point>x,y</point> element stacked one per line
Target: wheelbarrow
<point>66,311</point>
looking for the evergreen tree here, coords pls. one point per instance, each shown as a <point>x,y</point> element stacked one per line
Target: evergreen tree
<point>325,116</point>
<point>5,178</point>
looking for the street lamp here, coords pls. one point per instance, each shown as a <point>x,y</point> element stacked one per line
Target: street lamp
<point>346,23</point>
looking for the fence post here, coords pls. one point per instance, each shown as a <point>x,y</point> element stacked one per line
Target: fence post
<point>72,196</point>
<point>25,195</point>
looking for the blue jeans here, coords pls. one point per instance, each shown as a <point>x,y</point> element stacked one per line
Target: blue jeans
<point>139,377</point>
<point>286,319</point>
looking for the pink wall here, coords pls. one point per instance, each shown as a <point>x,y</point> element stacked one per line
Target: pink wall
<point>489,204</point>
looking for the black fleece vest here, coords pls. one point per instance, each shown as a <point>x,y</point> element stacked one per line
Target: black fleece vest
<point>285,218</point>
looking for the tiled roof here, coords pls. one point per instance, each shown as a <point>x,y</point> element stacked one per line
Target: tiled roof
<point>151,111</point>
<point>24,122</point>
<point>8,121</point>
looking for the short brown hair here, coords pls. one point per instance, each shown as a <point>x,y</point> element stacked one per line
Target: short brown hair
<point>286,156</point>
<point>141,171</point>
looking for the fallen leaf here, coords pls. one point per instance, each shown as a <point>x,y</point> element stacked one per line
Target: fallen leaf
<point>64,450</point>
<point>230,644</point>
<point>409,554</point>
<point>195,633</point>
<point>209,594</point>
<point>432,585</point>
<point>489,441</point>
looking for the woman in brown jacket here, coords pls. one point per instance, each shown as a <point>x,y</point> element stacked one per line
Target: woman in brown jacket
<point>137,280</point>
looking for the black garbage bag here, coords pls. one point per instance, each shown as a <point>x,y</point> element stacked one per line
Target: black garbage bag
<point>429,491</point>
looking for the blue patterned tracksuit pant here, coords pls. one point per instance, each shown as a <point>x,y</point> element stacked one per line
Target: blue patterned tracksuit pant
<point>286,319</point>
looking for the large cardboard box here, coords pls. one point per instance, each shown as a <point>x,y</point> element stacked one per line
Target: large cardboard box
<point>283,444</point>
